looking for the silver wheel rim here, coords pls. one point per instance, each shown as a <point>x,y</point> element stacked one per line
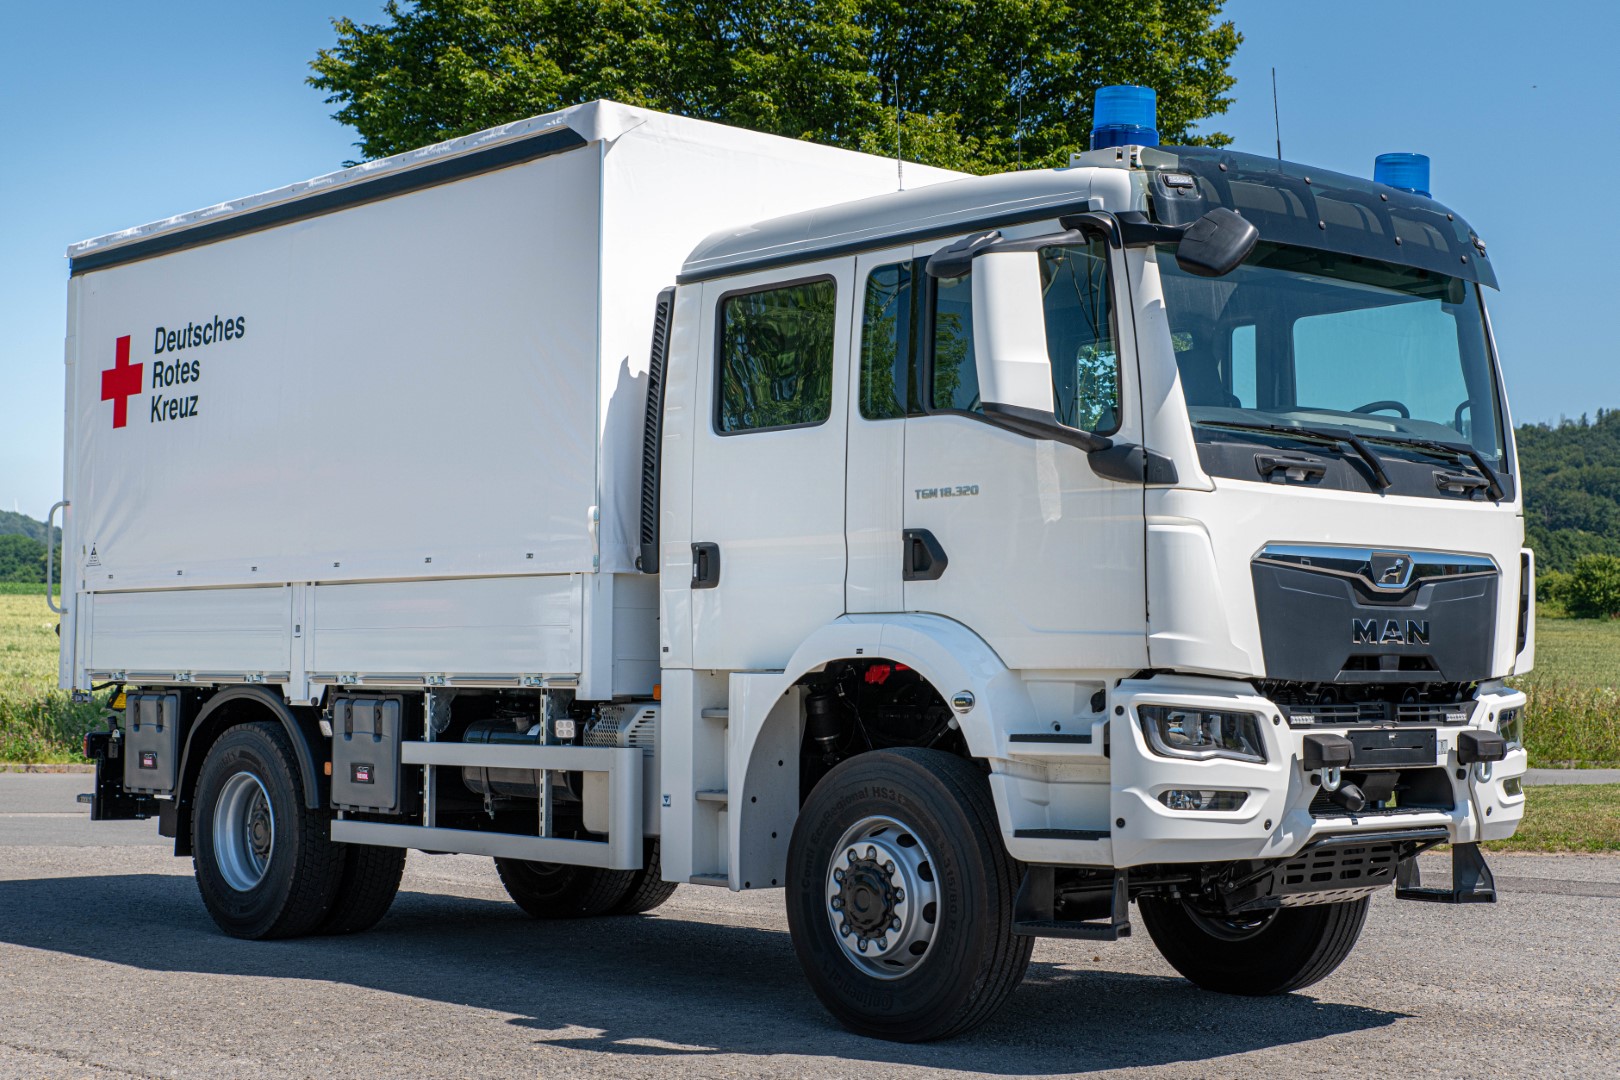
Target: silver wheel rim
<point>244,831</point>
<point>881,897</point>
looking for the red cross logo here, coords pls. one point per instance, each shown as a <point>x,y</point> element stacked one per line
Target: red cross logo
<point>120,381</point>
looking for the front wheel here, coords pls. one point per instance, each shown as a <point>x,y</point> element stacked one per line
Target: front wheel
<point>900,896</point>
<point>1274,952</point>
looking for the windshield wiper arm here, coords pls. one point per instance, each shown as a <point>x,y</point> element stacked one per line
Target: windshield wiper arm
<point>1493,483</point>
<point>1329,435</point>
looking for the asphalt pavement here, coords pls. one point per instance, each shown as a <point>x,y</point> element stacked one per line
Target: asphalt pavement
<point>109,967</point>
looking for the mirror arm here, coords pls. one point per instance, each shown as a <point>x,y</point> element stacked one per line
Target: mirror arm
<point>1126,462</point>
<point>1042,425</point>
<point>1135,230</point>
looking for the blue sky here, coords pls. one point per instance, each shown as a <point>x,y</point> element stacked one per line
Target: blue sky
<point>116,114</point>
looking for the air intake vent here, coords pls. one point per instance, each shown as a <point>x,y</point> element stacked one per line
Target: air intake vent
<point>652,433</point>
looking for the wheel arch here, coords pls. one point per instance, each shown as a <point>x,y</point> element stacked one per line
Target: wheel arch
<point>949,656</point>
<point>767,721</point>
<point>230,708</point>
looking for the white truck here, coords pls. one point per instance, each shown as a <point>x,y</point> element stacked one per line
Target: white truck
<point>639,501</point>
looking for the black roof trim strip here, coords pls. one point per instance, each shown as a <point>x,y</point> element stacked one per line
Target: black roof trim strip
<point>460,167</point>
<point>913,236</point>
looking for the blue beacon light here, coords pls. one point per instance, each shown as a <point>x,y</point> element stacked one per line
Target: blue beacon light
<point>1124,116</point>
<point>1408,172</point>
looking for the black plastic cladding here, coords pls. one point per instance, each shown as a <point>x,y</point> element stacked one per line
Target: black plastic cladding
<point>1307,628</point>
<point>652,432</point>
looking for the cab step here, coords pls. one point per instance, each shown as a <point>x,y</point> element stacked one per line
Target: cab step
<point>1034,911</point>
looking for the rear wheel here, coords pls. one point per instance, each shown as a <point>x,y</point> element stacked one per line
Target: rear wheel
<point>265,863</point>
<point>649,889</point>
<point>558,891</point>
<point>900,896</point>
<point>370,882</point>
<point>1273,952</point>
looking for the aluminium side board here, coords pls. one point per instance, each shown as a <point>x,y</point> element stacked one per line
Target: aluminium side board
<point>384,426</point>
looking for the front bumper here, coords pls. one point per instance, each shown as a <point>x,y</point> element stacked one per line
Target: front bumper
<point>1108,811</point>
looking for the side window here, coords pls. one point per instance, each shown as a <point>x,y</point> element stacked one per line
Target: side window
<point>956,379</point>
<point>776,357</point>
<point>1080,336</point>
<point>886,391</point>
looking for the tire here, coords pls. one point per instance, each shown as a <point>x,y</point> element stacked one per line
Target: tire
<point>1288,951</point>
<point>559,891</point>
<point>275,874</point>
<point>649,889</point>
<point>923,821</point>
<point>370,882</point>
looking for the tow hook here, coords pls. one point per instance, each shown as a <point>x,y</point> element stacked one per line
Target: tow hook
<point>1327,755</point>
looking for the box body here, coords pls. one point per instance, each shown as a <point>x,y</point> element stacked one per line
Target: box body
<point>383,429</point>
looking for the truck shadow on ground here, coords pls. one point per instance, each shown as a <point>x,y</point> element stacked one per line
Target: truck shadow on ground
<point>668,986</point>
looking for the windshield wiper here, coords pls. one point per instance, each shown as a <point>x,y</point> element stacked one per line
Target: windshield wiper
<point>1493,483</point>
<point>1336,436</point>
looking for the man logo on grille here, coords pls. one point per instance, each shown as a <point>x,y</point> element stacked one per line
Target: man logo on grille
<point>1390,571</point>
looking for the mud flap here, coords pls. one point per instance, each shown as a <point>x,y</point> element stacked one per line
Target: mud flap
<point>1471,880</point>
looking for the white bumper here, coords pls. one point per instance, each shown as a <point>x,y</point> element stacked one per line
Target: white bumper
<point>1106,810</point>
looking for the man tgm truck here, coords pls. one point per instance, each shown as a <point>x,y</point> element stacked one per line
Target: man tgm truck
<point>639,501</point>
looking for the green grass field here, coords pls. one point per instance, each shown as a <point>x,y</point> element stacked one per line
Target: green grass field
<point>1578,818</point>
<point>38,722</point>
<point>1574,713</point>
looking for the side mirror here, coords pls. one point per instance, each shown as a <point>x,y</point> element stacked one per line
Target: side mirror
<point>1216,244</point>
<point>1009,332</point>
<point>1009,349</point>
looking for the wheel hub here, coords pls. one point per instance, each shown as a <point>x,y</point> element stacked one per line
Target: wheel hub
<point>244,831</point>
<point>881,897</point>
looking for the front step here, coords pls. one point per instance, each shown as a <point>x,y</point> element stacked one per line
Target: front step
<point>712,797</point>
<point>1034,912</point>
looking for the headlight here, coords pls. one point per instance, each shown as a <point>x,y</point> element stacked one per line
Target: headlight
<point>1510,725</point>
<point>1202,733</point>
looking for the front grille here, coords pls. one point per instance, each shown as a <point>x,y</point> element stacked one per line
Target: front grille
<point>1377,712</point>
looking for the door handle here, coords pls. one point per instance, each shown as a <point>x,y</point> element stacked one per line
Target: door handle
<point>705,565</point>
<point>924,560</point>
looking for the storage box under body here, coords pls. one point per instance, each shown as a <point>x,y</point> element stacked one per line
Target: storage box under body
<point>151,742</point>
<point>366,734</point>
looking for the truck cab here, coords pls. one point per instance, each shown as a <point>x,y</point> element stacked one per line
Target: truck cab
<point>1215,570</point>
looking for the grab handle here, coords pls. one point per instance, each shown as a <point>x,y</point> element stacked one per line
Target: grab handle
<point>50,563</point>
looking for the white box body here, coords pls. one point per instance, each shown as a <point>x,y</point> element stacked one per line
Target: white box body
<point>408,442</point>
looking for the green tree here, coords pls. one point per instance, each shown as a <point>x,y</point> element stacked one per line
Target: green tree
<point>1593,589</point>
<point>981,85</point>
<point>22,558</point>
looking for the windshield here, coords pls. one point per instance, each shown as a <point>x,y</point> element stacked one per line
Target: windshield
<point>1311,339</point>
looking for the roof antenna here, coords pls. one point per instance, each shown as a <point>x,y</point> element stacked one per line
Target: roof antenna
<point>1018,136</point>
<point>899,162</point>
<point>1275,117</point>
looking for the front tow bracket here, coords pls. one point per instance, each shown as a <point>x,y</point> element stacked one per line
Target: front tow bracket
<point>1471,880</point>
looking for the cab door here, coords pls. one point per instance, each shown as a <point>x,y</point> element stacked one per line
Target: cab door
<point>1016,538</point>
<point>768,464</point>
